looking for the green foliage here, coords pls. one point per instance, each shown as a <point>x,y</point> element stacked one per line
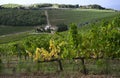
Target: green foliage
<point>73,35</point>
<point>29,43</point>
<point>116,21</point>
<point>103,41</point>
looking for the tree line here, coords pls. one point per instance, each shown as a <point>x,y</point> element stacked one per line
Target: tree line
<point>47,5</point>
<point>94,6</point>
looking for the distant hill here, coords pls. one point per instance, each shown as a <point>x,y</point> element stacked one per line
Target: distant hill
<point>31,15</point>
<point>11,6</point>
<point>47,5</point>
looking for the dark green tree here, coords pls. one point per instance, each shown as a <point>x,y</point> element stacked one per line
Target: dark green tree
<point>62,27</point>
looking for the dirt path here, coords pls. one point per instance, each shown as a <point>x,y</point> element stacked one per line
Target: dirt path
<point>57,76</point>
<point>46,13</point>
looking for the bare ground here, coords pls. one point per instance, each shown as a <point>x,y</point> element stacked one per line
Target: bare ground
<point>54,75</point>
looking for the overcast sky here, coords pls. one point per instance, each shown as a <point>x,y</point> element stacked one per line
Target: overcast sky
<point>115,4</point>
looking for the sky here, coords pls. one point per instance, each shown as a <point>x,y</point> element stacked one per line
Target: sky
<point>114,4</point>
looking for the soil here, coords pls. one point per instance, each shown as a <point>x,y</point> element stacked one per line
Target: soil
<point>54,75</point>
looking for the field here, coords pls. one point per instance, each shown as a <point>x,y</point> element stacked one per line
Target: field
<point>4,30</point>
<point>78,16</point>
<point>14,33</point>
<point>90,51</point>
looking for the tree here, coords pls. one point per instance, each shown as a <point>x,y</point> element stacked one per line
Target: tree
<point>0,7</point>
<point>62,27</point>
<point>77,6</point>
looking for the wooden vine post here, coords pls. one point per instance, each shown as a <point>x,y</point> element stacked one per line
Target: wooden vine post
<point>60,65</point>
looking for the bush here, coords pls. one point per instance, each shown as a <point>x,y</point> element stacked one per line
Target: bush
<point>62,27</point>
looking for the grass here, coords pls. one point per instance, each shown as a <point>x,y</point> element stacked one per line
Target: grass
<point>13,37</point>
<point>14,29</point>
<point>69,66</point>
<point>77,16</point>
<point>14,33</point>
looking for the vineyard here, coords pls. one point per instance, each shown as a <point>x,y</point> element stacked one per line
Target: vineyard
<point>89,50</point>
<point>12,21</point>
<point>14,17</point>
<point>78,16</point>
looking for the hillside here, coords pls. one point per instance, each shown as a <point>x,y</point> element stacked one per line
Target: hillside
<point>11,6</point>
<point>23,18</point>
<point>45,5</point>
<point>78,16</point>
<point>15,17</point>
